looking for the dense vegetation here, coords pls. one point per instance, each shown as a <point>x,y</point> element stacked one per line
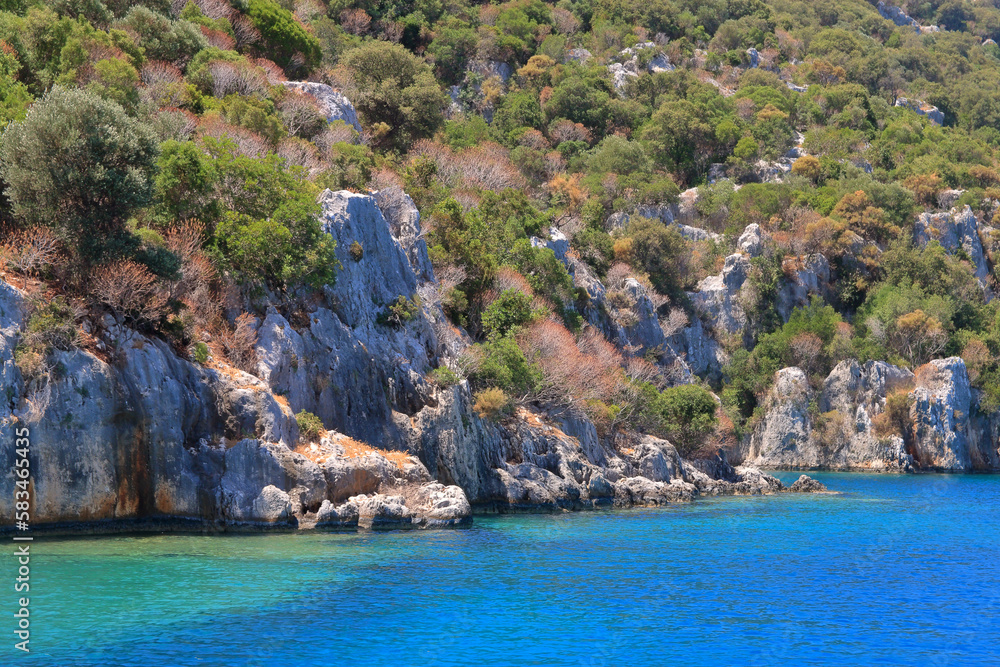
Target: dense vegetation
<point>156,168</point>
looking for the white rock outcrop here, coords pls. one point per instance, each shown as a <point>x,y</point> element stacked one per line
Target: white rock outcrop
<point>333,104</point>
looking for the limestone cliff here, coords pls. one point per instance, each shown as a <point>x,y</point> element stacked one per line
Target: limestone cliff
<point>838,427</point>
<point>128,431</point>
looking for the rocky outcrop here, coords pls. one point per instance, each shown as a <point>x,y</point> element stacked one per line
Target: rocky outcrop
<point>896,15</point>
<point>955,231</point>
<point>622,72</point>
<point>334,105</point>
<point>751,241</point>
<point>718,297</point>
<point>805,484</point>
<point>837,426</point>
<point>489,69</point>
<point>934,115</point>
<point>804,278</point>
<point>942,401</point>
<point>129,433</point>
<point>782,438</point>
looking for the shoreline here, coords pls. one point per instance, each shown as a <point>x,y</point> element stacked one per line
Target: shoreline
<point>180,525</point>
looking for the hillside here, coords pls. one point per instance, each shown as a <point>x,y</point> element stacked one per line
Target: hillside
<point>305,262</point>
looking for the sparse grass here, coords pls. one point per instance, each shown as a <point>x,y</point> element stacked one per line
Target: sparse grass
<point>353,449</point>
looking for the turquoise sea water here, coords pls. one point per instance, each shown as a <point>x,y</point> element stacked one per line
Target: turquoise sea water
<point>896,570</point>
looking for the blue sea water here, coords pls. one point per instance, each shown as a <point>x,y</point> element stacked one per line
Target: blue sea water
<point>894,570</point>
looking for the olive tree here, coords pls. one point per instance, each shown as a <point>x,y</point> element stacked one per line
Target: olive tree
<point>395,93</point>
<point>79,165</point>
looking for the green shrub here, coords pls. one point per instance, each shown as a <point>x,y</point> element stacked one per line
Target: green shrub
<point>503,364</point>
<point>399,312</point>
<point>112,158</point>
<point>357,251</point>
<point>687,414</point>
<point>395,94</point>
<point>444,377</point>
<point>310,426</point>
<point>200,352</point>
<point>52,326</point>
<point>510,310</point>
<point>271,234</point>
<point>658,250</point>
<point>283,35</point>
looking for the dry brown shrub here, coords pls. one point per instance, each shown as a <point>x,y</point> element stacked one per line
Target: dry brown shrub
<point>565,21</point>
<point>507,278</point>
<point>240,78</point>
<point>675,322</point>
<point>275,75</point>
<point>571,377</point>
<point>300,113</point>
<point>534,139</point>
<point>355,21</point>
<point>566,130</point>
<point>307,10</point>
<point>618,275</point>
<point>832,429</point>
<point>488,14</point>
<point>213,9</point>
<point>383,179</point>
<point>244,30</point>
<point>296,151</point>
<point>335,133</point>
<point>976,356</point>
<point>491,403</point>
<point>567,191</point>
<point>30,251</point>
<point>240,341</point>
<point>807,352</point>
<point>486,166</point>
<point>158,71</point>
<point>895,419</point>
<point>129,290</point>
<point>247,143</point>
<point>220,40</point>
<point>178,124</point>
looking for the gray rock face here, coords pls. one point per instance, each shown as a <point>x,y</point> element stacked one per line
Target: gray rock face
<point>805,484</point>
<point>155,436</point>
<point>753,58</point>
<point>660,63</point>
<point>622,72</point>
<point>782,438</point>
<point>940,412</point>
<point>717,299</point>
<point>947,431</point>
<point>578,55</point>
<point>896,15</point>
<point>333,104</point>
<point>491,68</point>
<point>404,224</point>
<point>934,115</point>
<point>955,230</point>
<point>751,241</point>
<point>810,276</point>
<point>841,434</point>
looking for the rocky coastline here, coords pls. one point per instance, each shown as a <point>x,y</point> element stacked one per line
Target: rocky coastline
<point>130,434</point>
